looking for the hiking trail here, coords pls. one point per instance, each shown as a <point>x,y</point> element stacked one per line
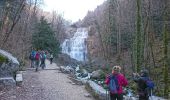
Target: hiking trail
<point>48,84</point>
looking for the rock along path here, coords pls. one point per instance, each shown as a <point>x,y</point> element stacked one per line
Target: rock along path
<point>48,84</point>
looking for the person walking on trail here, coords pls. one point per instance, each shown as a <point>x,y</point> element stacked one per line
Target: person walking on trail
<point>43,54</point>
<point>32,58</point>
<point>51,58</point>
<point>37,60</point>
<point>144,84</point>
<point>115,82</point>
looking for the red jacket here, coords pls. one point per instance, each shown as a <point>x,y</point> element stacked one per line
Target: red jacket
<point>122,81</point>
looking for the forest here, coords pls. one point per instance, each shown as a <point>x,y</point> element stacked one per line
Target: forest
<point>134,34</point>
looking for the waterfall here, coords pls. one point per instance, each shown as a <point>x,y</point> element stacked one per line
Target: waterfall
<point>76,46</point>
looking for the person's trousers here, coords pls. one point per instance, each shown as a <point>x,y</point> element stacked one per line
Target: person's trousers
<point>51,60</point>
<point>37,64</point>
<point>32,63</point>
<point>143,97</point>
<point>116,96</point>
<point>43,63</point>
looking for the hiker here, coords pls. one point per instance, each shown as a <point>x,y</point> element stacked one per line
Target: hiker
<point>115,82</point>
<point>43,57</point>
<point>37,60</point>
<point>144,84</point>
<point>32,58</point>
<point>51,58</point>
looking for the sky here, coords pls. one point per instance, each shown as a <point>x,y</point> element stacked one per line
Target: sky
<point>71,9</point>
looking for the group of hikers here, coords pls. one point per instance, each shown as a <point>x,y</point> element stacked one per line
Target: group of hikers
<point>116,81</point>
<point>38,57</point>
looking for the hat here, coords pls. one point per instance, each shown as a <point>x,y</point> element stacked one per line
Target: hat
<point>116,68</point>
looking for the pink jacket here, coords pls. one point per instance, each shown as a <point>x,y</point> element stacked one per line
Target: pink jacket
<point>122,81</point>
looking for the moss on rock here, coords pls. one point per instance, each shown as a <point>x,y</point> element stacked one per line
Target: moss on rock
<point>3,59</point>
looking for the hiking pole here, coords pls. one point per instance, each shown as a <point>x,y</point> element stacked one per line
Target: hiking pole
<point>106,94</point>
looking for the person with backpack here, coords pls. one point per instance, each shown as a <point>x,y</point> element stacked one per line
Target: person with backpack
<point>32,58</point>
<point>37,60</point>
<point>115,82</point>
<point>51,58</point>
<point>144,84</point>
<point>43,54</point>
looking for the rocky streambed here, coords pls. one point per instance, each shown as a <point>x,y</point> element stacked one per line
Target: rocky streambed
<point>82,76</point>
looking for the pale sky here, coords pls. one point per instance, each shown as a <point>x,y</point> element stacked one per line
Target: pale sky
<point>72,9</point>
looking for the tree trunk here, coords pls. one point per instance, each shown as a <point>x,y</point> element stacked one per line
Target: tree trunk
<point>138,37</point>
<point>165,52</point>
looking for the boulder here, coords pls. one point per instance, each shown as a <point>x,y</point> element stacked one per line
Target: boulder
<point>84,73</point>
<point>96,74</point>
<point>8,81</point>
<point>62,68</point>
<point>87,95</point>
<point>9,56</point>
<point>8,68</point>
<point>67,69</point>
<point>77,68</point>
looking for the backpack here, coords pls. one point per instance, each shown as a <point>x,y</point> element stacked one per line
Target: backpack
<point>113,84</point>
<point>150,85</point>
<point>37,56</point>
<point>43,56</point>
<point>32,55</point>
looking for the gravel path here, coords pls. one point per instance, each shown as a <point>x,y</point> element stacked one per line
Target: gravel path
<point>47,84</point>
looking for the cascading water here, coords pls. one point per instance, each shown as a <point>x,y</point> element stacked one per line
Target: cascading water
<point>76,46</point>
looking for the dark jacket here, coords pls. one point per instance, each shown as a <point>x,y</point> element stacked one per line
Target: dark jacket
<point>142,86</point>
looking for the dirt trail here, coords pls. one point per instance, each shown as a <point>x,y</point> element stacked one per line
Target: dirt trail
<point>48,84</point>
